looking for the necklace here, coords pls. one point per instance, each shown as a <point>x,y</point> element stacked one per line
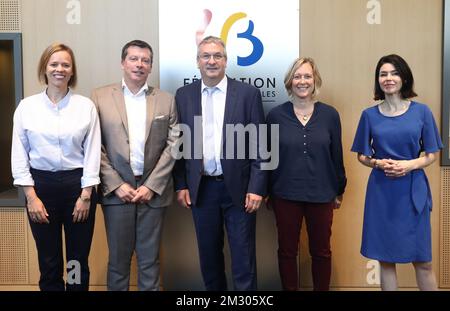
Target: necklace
<point>305,117</point>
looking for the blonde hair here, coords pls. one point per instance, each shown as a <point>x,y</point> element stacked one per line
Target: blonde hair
<point>291,72</point>
<point>45,57</point>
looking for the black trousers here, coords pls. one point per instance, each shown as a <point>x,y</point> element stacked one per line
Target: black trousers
<point>59,192</point>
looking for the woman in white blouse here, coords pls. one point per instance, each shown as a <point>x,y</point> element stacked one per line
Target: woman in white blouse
<point>55,159</point>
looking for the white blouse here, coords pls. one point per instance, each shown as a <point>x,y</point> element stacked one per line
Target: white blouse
<point>59,137</point>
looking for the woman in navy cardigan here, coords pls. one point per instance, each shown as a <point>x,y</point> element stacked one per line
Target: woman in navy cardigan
<point>309,181</point>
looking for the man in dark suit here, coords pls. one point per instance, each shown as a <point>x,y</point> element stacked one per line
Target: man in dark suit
<point>136,167</point>
<point>224,184</point>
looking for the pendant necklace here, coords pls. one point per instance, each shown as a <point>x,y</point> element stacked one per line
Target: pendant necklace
<point>305,117</point>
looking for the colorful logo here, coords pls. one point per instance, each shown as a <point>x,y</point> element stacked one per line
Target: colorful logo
<point>258,47</point>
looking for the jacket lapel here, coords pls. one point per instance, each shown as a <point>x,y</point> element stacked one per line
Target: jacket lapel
<point>197,132</point>
<point>197,100</point>
<point>120,105</point>
<point>151,102</point>
<point>230,107</point>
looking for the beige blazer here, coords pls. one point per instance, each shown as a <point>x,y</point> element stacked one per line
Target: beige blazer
<point>115,166</point>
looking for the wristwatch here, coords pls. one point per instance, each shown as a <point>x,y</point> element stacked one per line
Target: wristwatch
<point>376,164</point>
<point>85,199</point>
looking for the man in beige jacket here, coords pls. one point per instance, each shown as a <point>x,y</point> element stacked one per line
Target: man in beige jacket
<point>137,123</point>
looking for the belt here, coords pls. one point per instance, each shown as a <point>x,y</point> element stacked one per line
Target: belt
<point>138,177</point>
<point>216,178</point>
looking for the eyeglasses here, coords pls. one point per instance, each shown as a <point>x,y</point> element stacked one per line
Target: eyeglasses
<point>207,57</point>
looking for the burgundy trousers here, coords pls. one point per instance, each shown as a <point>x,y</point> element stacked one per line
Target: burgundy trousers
<point>319,218</point>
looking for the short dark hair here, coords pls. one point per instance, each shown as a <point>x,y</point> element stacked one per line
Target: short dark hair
<point>45,57</point>
<point>404,72</point>
<point>140,44</point>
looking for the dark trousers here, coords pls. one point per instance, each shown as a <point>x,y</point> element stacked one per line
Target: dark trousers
<point>318,217</point>
<point>58,192</point>
<point>214,210</point>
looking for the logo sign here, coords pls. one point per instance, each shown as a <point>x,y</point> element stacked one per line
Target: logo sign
<point>258,47</point>
<point>262,41</point>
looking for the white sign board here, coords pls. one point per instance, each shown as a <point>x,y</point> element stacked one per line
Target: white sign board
<point>262,39</point>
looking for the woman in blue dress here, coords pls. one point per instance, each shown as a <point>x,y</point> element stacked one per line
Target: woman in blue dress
<point>390,138</point>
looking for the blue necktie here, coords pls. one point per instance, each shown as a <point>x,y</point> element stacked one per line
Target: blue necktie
<point>209,159</point>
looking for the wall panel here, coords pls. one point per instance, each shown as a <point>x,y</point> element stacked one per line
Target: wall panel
<point>336,34</point>
<point>346,48</point>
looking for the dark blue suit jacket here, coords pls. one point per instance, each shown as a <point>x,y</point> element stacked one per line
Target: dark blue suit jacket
<point>243,106</point>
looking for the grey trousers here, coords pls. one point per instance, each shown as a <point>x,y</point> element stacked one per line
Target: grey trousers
<point>129,228</point>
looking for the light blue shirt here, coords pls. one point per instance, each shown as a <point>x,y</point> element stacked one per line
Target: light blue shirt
<point>56,137</point>
<point>219,99</point>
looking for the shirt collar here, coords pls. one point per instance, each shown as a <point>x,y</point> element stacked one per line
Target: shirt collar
<point>222,85</point>
<point>61,104</point>
<point>144,89</point>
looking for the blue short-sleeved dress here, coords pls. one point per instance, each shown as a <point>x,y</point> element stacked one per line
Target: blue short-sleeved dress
<point>396,224</point>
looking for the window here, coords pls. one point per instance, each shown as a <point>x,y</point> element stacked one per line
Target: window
<point>11,92</point>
